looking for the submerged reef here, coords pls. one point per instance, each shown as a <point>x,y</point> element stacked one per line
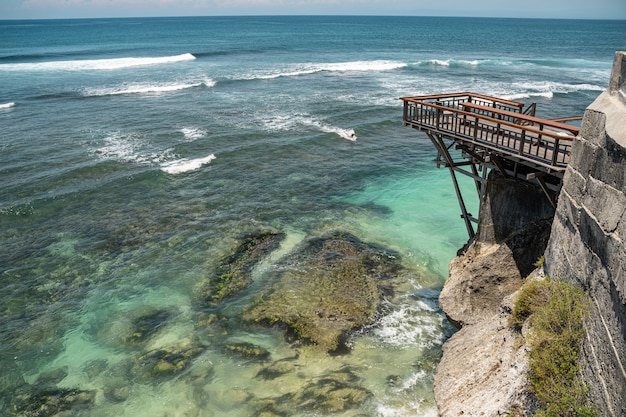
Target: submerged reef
<point>234,271</point>
<point>330,285</point>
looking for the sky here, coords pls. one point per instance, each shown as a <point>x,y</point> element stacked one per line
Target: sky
<point>575,9</point>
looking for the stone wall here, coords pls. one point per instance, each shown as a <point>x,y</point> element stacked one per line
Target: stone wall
<point>587,242</point>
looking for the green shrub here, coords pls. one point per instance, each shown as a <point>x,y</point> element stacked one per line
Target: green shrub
<point>556,311</point>
<point>532,296</point>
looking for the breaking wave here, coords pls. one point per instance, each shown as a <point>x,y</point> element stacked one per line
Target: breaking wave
<point>145,88</point>
<point>306,69</point>
<point>186,165</point>
<point>96,64</point>
<point>192,133</point>
<point>546,89</point>
<point>285,123</point>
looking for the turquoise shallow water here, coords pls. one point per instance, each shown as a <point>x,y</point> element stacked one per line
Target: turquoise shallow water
<point>136,151</point>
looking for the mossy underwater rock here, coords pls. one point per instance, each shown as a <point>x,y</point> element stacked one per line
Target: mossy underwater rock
<point>331,393</point>
<point>331,285</point>
<point>131,329</point>
<point>234,271</point>
<point>247,351</point>
<point>49,402</point>
<point>277,369</point>
<point>167,361</point>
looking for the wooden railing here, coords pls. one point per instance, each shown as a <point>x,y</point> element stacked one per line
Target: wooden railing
<point>495,124</point>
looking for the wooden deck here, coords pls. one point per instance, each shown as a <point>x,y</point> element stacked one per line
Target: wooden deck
<point>493,133</point>
<point>494,124</point>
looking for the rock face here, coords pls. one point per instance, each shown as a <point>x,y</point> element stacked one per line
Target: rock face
<point>513,232</point>
<point>483,368</point>
<point>587,241</point>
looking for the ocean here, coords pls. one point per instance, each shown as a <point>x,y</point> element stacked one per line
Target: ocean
<point>134,153</point>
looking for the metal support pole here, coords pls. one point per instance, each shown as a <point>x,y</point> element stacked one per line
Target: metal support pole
<point>440,145</point>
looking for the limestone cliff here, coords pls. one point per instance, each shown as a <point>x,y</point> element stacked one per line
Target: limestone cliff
<point>483,370</point>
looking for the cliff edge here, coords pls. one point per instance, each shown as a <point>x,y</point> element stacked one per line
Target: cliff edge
<point>484,365</point>
<point>483,371</point>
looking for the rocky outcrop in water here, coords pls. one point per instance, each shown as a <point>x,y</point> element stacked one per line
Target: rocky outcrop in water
<point>234,271</point>
<point>331,393</point>
<point>166,361</point>
<point>35,402</point>
<point>330,286</point>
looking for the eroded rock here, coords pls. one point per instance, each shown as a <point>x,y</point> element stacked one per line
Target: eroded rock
<point>331,285</point>
<point>234,271</point>
<point>49,402</point>
<point>483,370</point>
<point>166,361</point>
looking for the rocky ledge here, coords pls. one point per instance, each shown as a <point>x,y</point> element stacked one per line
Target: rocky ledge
<point>484,365</point>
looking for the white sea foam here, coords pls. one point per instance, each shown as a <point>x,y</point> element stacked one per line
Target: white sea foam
<point>375,66</point>
<point>192,133</point>
<point>439,62</point>
<point>7,105</point>
<point>347,134</point>
<point>459,62</point>
<point>351,66</point>
<point>385,410</point>
<point>545,89</point>
<point>118,146</point>
<point>130,148</point>
<point>413,324</point>
<point>412,380</point>
<point>96,64</point>
<point>145,88</point>
<point>288,122</point>
<point>186,165</point>
<point>521,96</point>
<point>279,123</point>
<point>344,133</point>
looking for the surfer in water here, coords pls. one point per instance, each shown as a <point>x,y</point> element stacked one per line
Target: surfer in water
<point>349,134</point>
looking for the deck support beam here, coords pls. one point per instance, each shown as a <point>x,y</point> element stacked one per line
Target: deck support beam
<point>437,140</point>
<point>539,176</point>
<point>492,134</point>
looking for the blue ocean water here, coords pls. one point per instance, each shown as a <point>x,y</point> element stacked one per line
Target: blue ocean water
<point>134,152</point>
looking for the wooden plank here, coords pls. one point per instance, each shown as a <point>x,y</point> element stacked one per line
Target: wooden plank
<point>462,94</point>
<point>524,117</point>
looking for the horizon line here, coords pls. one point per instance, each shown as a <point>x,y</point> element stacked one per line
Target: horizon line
<point>316,15</point>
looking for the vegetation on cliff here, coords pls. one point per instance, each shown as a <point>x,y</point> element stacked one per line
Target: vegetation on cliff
<point>556,311</point>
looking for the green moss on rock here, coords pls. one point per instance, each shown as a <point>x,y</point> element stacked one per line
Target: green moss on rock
<point>248,351</point>
<point>167,361</point>
<point>556,311</point>
<point>331,285</point>
<point>49,402</point>
<point>234,271</point>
